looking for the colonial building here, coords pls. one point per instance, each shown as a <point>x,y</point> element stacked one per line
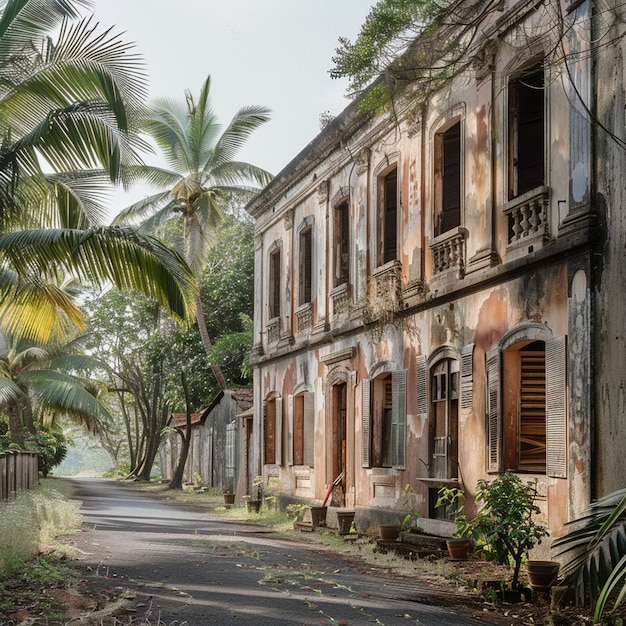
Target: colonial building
<point>438,286</point>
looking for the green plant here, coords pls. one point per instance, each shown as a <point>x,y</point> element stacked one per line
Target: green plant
<point>453,499</point>
<point>296,511</point>
<point>595,553</point>
<point>505,519</point>
<point>410,523</point>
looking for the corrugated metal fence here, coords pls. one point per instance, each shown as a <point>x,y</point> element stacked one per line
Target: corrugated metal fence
<point>18,471</point>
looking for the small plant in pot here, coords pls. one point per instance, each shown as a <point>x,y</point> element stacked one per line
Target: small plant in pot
<point>461,545</point>
<point>505,520</point>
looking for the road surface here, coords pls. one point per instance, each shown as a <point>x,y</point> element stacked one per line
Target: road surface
<point>185,567</point>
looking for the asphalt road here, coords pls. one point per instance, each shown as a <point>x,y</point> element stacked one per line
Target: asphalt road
<point>184,567</point>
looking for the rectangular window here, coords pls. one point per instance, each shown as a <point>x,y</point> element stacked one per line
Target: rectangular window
<point>527,427</point>
<point>384,420</point>
<point>526,131</point>
<point>272,430</point>
<point>389,218</point>
<point>274,284</point>
<point>305,266</point>
<point>301,429</point>
<point>342,244</point>
<point>448,179</point>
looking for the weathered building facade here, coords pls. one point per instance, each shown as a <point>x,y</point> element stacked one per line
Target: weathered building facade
<point>431,308</point>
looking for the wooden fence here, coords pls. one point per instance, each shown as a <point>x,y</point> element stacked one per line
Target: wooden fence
<point>18,471</point>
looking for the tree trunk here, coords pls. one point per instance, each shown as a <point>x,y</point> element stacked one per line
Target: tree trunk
<point>206,342</point>
<point>177,476</point>
<point>15,425</point>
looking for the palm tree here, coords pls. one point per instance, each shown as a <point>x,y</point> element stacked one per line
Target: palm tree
<point>202,180</point>
<point>39,384</point>
<point>67,117</point>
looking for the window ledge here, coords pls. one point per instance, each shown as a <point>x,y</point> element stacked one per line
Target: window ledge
<point>449,252</point>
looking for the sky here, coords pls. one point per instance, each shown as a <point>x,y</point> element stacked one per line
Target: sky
<point>275,53</point>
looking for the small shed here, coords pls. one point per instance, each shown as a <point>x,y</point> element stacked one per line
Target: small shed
<point>218,445</point>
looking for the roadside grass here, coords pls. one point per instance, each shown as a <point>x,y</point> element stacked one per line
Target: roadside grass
<point>32,560</point>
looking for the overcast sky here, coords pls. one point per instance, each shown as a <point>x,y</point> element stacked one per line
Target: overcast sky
<point>274,53</point>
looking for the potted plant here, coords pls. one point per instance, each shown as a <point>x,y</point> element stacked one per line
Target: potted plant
<point>506,522</point>
<point>461,546</point>
<point>229,497</point>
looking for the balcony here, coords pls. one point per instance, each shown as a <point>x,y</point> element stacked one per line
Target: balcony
<point>449,252</point>
<point>304,317</point>
<point>388,284</point>
<point>527,218</point>
<point>340,298</point>
<point>272,328</point>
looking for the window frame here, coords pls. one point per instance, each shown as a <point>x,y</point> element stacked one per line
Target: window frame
<point>301,429</point>
<point>274,282</point>
<point>520,124</point>
<point>305,265</point>
<point>378,430</point>
<point>272,430</point>
<point>341,243</point>
<point>388,215</point>
<point>448,178</point>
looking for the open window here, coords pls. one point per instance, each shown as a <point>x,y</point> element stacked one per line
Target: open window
<point>388,217</point>
<point>274,284</point>
<point>527,391</point>
<point>448,179</point>
<point>301,429</point>
<point>305,269</point>
<point>384,420</point>
<point>526,130</point>
<point>272,430</point>
<point>341,247</point>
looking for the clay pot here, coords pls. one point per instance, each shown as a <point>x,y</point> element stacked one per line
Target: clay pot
<point>318,515</point>
<point>542,574</point>
<point>344,521</point>
<point>253,506</point>
<point>459,549</point>
<point>229,499</point>
<point>389,532</point>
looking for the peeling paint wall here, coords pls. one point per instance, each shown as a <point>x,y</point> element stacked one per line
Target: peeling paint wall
<point>517,269</point>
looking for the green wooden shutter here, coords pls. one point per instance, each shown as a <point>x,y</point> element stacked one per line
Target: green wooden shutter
<point>422,387</point>
<point>398,419</point>
<point>366,418</point>
<point>556,407</point>
<point>494,411</point>
<point>467,376</point>
<point>279,432</point>
<point>309,429</point>
<point>290,430</point>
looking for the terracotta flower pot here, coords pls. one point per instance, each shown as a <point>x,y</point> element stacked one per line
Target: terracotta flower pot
<point>318,515</point>
<point>459,549</point>
<point>389,532</point>
<point>229,499</point>
<point>542,574</point>
<point>253,506</point>
<point>344,521</point>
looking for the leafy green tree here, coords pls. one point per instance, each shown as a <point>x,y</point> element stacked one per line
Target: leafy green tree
<point>70,101</point>
<point>40,384</point>
<point>145,353</point>
<point>203,179</point>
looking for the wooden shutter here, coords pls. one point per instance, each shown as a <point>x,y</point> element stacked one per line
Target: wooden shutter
<point>290,410</point>
<point>494,411</point>
<point>278,440</point>
<point>467,376</point>
<point>398,419</point>
<point>366,422</point>
<point>422,387</point>
<point>390,217</point>
<point>451,184</point>
<point>556,407</point>
<point>309,430</point>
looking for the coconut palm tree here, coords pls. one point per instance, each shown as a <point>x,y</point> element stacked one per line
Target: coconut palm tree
<point>67,116</point>
<point>39,384</point>
<point>202,179</point>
